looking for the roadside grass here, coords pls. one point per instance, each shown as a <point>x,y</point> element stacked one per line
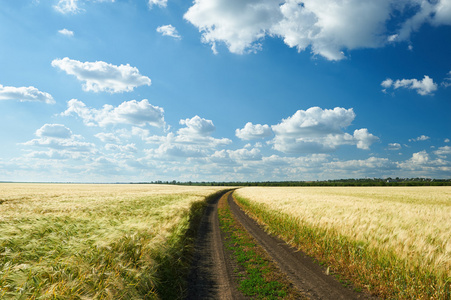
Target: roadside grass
<point>392,245</point>
<point>97,241</point>
<point>258,276</point>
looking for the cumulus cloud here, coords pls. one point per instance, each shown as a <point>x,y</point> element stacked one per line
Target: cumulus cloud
<point>59,137</point>
<point>420,138</point>
<point>160,3</point>
<point>169,30</point>
<point>252,132</point>
<point>417,159</point>
<point>54,131</point>
<point>24,94</point>
<point>100,76</point>
<point>107,137</point>
<point>364,139</point>
<point>239,24</point>
<point>138,113</point>
<point>423,164</point>
<point>193,140</point>
<point>245,154</point>
<point>67,6</point>
<point>427,86</point>
<point>196,126</point>
<point>394,146</point>
<point>66,32</point>
<point>387,83</point>
<point>317,131</point>
<point>327,27</point>
<point>364,166</point>
<point>443,151</point>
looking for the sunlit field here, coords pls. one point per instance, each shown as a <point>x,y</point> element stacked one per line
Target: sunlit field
<point>395,241</point>
<point>95,241</point>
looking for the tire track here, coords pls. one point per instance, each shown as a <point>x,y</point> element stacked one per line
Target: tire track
<point>211,275</point>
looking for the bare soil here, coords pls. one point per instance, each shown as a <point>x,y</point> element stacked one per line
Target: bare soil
<point>211,275</point>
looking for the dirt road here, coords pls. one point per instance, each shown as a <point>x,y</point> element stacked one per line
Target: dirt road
<point>212,273</point>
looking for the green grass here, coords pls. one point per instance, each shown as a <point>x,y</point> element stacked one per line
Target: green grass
<point>259,278</point>
<point>129,246</point>
<point>380,271</point>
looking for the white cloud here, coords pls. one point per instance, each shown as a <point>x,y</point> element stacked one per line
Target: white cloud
<point>423,165</point>
<point>394,146</point>
<point>129,112</point>
<point>196,126</point>
<point>100,76</point>
<point>434,12</point>
<point>245,154</point>
<point>66,32</point>
<point>55,154</point>
<point>327,27</point>
<point>67,6</point>
<point>443,151</point>
<point>330,26</point>
<point>392,38</point>
<point>54,131</point>
<point>427,86</point>
<point>107,137</point>
<point>59,137</point>
<point>364,139</point>
<point>72,6</point>
<point>387,83</point>
<point>24,94</point>
<point>160,3</point>
<point>447,140</point>
<point>417,159</point>
<point>420,138</point>
<point>169,30</point>
<point>239,24</point>
<point>193,140</point>
<point>317,131</point>
<point>362,166</point>
<point>121,148</point>
<point>252,132</point>
<point>447,81</point>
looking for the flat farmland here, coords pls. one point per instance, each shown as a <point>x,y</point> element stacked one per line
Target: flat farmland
<point>95,241</point>
<point>393,241</point>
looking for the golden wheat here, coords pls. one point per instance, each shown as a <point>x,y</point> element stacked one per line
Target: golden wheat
<point>412,222</point>
<point>90,241</point>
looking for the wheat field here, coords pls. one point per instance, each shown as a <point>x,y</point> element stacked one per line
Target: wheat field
<point>388,228</point>
<point>93,241</point>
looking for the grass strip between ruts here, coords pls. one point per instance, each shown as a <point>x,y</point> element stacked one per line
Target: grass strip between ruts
<point>258,276</point>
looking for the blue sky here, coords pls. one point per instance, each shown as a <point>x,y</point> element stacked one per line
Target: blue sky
<point>223,90</point>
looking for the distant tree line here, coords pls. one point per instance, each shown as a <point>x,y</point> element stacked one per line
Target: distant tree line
<point>337,182</point>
